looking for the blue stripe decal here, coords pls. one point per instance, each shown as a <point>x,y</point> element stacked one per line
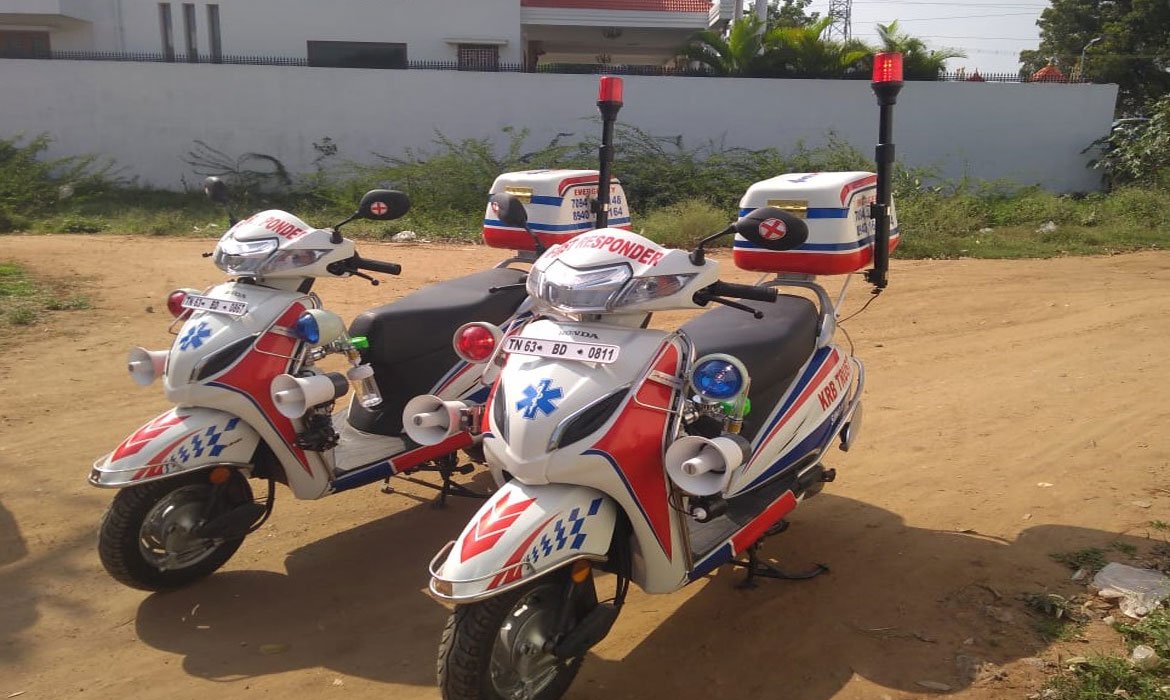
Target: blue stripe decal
<point>547,200</point>
<point>633,496</point>
<point>481,395</point>
<point>363,476</point>
<point>814,366</point>
<point>815,440</point>
<point>552,228</point>
<point>808,247</point>
<point>815,213</point>
<point>714,560</point>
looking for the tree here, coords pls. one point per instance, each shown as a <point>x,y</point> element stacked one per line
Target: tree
<point>791,13</point>
<point>804,52</point>
<point>1134,50</point>
<point>919,62</point>
<point>740,53</point>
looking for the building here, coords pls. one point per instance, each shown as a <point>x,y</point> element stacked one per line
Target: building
<point>476,34</point>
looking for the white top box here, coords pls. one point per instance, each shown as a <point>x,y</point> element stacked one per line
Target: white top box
<point>558,204</point>
<point>836,208</point>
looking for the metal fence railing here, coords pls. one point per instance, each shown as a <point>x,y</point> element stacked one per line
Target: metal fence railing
<point>491,67</point>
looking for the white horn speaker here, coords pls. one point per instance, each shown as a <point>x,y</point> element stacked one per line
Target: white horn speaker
<point>703,466</point>
<point>295,395</point>
<point>429,420</point>
<point>145,366</point>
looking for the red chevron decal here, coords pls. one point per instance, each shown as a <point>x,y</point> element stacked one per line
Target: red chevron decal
<point>133,444</point>
<point>491,526</point>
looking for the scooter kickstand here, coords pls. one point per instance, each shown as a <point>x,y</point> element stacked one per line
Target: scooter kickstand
<point>756,568</point>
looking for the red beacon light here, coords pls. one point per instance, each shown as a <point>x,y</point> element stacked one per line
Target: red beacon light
<point>475,342</point>
<point>175,302</point>
<point>610,89</point>
<point>887,68</point>
<point>887,77</point>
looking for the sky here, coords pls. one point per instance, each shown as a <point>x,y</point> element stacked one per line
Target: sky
<point>991,32</point>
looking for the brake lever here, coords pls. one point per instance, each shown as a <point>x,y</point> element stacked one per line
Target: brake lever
<point>503,287</point>
<point>702,300</point>
<point>364,276</point>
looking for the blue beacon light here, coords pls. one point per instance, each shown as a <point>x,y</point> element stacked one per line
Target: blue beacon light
<point>717,379</point>
<point>307,329</point>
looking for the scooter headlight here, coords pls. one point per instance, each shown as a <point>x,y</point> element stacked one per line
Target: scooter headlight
<point>576,290</point>
<point>243,257</point>
<point>645,289</point>
<point>259,258</point>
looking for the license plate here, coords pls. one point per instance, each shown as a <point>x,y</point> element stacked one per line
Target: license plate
<point>223,306</point>
<point>562,349</point>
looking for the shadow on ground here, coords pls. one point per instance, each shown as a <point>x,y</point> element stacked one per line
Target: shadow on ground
<point>352,603</point>
<point>900,605</point>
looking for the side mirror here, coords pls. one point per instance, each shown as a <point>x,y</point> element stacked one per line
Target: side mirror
<point>773,229</point>
<point>383,205</point>
<point>216,190</point>
<point>510,210</point>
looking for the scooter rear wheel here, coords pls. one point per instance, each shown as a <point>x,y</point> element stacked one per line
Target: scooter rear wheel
<point>494,649</point>
<point>145,540</point>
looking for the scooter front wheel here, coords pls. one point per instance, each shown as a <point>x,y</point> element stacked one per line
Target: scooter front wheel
<point>496,649</point>
<point>148,537</point>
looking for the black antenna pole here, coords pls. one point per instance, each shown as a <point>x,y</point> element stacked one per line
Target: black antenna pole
<point>887,82</point>
<point>609,102</point>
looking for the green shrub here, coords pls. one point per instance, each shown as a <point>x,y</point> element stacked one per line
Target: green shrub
<point>82,224</point>
<point>682,225</point>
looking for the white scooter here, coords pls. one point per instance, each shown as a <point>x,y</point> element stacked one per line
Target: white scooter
<point>656,456</point>
<point>250,401</point>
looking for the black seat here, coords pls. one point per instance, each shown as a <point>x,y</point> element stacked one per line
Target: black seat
<point>772,348</point>
<point>410,339</point>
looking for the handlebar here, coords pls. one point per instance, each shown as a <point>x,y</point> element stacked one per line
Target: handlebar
<point>377,266</point>
<point>740,291</point>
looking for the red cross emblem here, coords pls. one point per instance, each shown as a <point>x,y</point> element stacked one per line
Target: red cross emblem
<point>379,208</point>
<point>773,229</point>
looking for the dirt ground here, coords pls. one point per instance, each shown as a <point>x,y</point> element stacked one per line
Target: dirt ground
<point>1013,409</point>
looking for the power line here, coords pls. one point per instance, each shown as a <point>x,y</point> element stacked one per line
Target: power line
<point>952,4</point>
<point>1006,14</point>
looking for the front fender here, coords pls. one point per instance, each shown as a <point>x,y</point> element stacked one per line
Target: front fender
<point>521,533</point>
<point>180,440</point>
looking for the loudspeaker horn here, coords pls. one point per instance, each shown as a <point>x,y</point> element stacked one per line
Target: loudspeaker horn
<point>429,420</point>
<point>703,466</point>
<point>295,395</point>
<point>145,366</point>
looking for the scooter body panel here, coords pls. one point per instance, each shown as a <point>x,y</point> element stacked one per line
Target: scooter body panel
<point>180,440</point>
<point>802,423</point>
<point>228,362</point>
<point>521,533</point>
<point>550,438</point>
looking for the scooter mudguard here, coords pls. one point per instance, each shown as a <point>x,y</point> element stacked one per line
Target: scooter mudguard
<point>520,534</point>
<point>180,440</point>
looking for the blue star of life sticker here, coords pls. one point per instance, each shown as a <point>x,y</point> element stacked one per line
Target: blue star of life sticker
<point>539,399</point>
<point>195,336</point>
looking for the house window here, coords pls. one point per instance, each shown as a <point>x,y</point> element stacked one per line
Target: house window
<point>356,54</point>
<point>479,57</point>
<point>189,32</point>
<point>214,43</point>
<point>24,44</point>
<point>165,28</point>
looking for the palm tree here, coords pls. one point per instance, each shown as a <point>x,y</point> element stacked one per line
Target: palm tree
<point>803,52</point>
<point>740,53</point>
<point>753,50</point>
<point>919,62</point>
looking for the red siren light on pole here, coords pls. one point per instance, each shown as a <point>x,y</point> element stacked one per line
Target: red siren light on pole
<point>887,82</point>
<point>887,68</point>
<point>609,103</point>
<point>610,89</point>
